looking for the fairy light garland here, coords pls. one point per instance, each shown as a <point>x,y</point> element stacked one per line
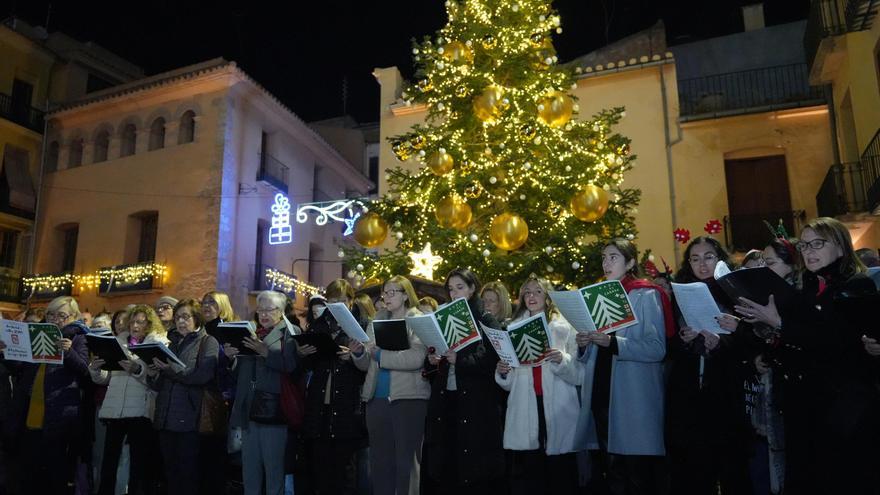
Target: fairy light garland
<point>288,283</point>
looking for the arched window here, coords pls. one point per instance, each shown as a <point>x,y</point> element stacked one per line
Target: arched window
<point>102,146</point>
<point>157,135</point>
<point>129,140</point>
<point>52,156</point>
<point>76,153</point>
<point>187,128</point>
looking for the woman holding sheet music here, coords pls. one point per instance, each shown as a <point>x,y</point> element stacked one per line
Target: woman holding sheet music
<point>396,395</point>
<point>542,445</point>
<point>840,414</point>
<point>463,434</point>
<point>708,432</point>
<point>333,428</point>
<point>180,392</point>
<point>127,409</point>
<point>623,373</point>
<point>257,406</point>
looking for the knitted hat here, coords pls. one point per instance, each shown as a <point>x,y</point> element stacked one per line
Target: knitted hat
<point>166,300</point>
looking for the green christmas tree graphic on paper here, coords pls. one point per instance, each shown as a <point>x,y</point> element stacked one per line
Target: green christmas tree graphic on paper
<point>609,306</point>
<point>457,323</point>
<point>43,339</point>
<point>530,342</point>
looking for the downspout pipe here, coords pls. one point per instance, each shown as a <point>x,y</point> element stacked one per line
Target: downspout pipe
<point>670,170</point>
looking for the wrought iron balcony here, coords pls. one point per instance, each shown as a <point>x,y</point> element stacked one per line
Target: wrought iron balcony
<point>10,288</point>
<point>131,278</point>
<point>22,114</point>
<point>833,18</point>
<point>744,232</point>
<point>43,285</point>
<point>273,172</point>
<point>750,91</point>
<point>852,187</point>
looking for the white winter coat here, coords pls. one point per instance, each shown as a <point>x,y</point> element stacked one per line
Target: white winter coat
<point>128,396</point>
<point>561,405</point>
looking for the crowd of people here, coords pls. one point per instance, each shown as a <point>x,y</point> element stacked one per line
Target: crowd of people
<point>787,402</point>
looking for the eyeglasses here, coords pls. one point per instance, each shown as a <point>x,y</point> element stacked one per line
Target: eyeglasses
<point>183,317</point>
<point>163,307</point>
<point>51,315</point>
<point>815,244</point>
<point>391,292</point>
<point>266,311</point>
<point>709,258</point>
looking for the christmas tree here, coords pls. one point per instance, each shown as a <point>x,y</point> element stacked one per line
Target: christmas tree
<point>510,181</point>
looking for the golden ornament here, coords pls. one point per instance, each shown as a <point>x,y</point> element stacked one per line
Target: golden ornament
<point>489,42</point>
<point>509,231</point>
<point>489,105</point>
<point>590,204</point>
<point>425,85</point>
<point>417,142</point>
<point>456,51</point>
<point>370,230</point>
<point>453,212</point>
<point>473,190</point>
<point>461,91</point>
<point>527,131</point>
<point>537,39</point>
<point>402,150</point>
<point>555,109</point>
<point>542,53</point>
<point>440,162</point>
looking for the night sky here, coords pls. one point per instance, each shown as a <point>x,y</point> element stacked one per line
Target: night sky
<point>303,51</point>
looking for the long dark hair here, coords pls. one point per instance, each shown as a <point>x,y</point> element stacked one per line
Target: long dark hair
<point>469,277</point>
<point>685,273</point>
<point>629,251</point>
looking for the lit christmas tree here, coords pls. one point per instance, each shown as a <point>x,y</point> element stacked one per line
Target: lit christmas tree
<point>511,182</point>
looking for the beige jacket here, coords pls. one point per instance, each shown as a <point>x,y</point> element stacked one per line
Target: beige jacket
<point>406,366</point>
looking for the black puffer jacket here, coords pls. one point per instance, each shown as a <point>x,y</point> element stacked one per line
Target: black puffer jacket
<point>345,420</point>
<point>479,429</point>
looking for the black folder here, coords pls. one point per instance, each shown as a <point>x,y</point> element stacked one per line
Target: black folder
<point>108,348</point>
<point>756,284</point>
<point>234,335</point>
<point>391,335</point>
<point>323,342</point>
<point>155,350</point>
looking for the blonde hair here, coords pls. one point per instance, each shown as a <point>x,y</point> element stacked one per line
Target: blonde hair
<point>549,308</point>
<point>60,302</point>
<point>365,303</point>
<point>154,324</point>
<point>224,305</point>
<point>503,299</point>
<point>412,300</point>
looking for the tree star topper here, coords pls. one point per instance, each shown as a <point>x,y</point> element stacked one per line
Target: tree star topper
<point>424,262</point>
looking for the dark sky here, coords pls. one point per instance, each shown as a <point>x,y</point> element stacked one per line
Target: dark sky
<point>302,50</point>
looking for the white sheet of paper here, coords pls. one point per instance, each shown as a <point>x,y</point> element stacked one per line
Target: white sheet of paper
<point>721,269</point>
<point>502,344</point>
<point>698,307</point>
<point>348,322</point>
<point>427,329</point>
<point>573,307</point>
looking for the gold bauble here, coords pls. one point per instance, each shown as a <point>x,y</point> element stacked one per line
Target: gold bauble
<point>453,212</point>
<point>542,53</point>
<point>489,105</point>
<point>456,51</point>
<point>489,42</point>
<point>425,85</point>
<point>527,131</point>
<point>370,230</point>
<point>555,109</point>
<point>509,231</point>
<point>417,142</point>
<point>440,162</point>
<point>537,39</point>
<point>461,91</point>
<point>402,150</point>
<point>590,204</point>
<point>473,190</point>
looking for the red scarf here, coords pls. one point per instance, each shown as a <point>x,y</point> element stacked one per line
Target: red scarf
<point>631,283</point>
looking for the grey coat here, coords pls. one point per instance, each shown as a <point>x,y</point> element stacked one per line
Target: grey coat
<point>635,414</point>
<point>262,373</point>
<point>179,403</point>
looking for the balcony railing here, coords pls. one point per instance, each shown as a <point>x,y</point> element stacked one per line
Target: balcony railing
<point>273,172</point>
<point>45,285</point>
<point>131,278</point>
<point>833,18</point>
<point>852,187</point>
<point>744,232</point>
<point>22,114</point>
<point>10,288</point>
<point>750,91</point>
